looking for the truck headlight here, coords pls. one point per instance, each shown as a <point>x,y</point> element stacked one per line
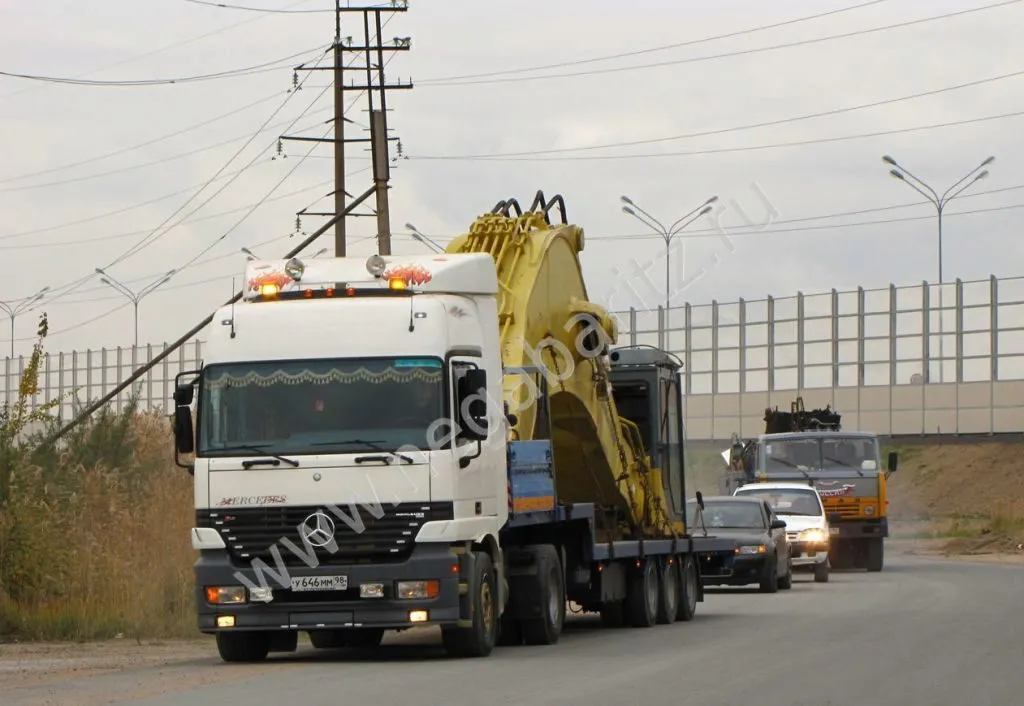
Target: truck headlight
<point>221,595</point>
<point>411,590</point>
<point>813,535</point>
<point>752,549</point>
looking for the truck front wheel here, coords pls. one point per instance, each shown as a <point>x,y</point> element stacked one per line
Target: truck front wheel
<point>477,640</point>
<point>243,646</point>
<point>874,554</point>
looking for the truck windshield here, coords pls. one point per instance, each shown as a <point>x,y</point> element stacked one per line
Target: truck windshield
<point>787,501</point>
<point>833,453</point>
<point>320,406</point>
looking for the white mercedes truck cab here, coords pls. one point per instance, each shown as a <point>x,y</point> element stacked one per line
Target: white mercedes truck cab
<point>807,526</point>
<point>342,429</point>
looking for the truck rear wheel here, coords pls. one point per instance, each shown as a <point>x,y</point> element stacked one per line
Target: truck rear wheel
<point>642,602</point>
<point>548,597</point>
<point>688,589</point>
<point>243,646</point>
<point>479,639</point>
<point>874,554</point>
<point>669,592</point>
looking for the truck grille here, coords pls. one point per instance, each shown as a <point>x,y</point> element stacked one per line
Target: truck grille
<point>251,533</point>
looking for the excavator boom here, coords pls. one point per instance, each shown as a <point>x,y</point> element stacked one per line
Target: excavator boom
<point>546,321</point>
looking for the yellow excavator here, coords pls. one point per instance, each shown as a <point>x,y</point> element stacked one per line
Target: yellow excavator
<point>519,460</point>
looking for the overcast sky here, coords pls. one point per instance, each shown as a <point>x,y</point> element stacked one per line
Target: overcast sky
<point>91,173</point>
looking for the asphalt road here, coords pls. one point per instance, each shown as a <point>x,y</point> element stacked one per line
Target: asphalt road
<point>925,632</point>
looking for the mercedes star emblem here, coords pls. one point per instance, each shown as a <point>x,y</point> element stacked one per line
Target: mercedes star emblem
<point>317,529</point>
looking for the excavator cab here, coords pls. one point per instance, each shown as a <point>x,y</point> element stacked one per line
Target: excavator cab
<point>646,386</point>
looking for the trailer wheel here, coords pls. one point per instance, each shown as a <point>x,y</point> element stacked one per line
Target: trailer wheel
<point>668,606</point>
<point>688,590</point>
<point>477,640</point>
<point>243,646</point>
<point>874,554</point>
<point>548,597</point>
<point>643,596</point>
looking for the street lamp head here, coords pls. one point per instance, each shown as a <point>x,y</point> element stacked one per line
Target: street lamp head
<point>99,270</point>
<point>410,226</point>
<point>889,160</point>
<point>104,280</point>
<point>627,200</point>
<point>713,199</point>
<point>981,175</point>
<point>627,209</point>
<point>706,210</point>
<point>898,174</point>
<point>988,161</point>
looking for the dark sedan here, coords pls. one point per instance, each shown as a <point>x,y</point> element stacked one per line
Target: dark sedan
<point>762,551</point>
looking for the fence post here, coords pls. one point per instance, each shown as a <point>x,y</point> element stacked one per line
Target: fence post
<point>800,380</point>
<point>742,350</point>
<point>770,321</point>
<point>993,349</point>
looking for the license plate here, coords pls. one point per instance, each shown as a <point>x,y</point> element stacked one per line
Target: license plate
<point>833,530</point>
<point>319,583</point>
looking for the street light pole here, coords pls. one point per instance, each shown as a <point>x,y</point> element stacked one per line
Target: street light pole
<point>14,311</point>
<point>134,297</point>
<point>422,238</point>
<point>939,202</point>
<point>667,234</point>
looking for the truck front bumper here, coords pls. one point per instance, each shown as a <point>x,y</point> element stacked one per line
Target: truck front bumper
<point>860,528</point>
<point>328,609</point>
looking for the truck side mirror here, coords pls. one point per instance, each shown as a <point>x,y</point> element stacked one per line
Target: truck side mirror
<point>894,459</point>
<point>472,401</point>
<point>183,395</point>
<point>700,499</point>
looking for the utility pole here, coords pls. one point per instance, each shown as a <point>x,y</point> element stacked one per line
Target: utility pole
<point>376,89</point>
<point>134,297</point>
<point>14,311</point>
<point>939,202</point>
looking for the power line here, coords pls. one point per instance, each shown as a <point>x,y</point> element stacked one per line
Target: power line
<point>140,145</point>
<point>742,52</point>
<point>155,235</point>
<point>738,128</point>
<point>652,50</point>
<point>726,150</point>
<point>245,71</point>
<point>225,6</point>
<point>154,52</point>
<point>118,236</point>
<point>143,165</point>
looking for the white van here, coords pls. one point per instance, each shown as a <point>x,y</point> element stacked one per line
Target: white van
<point>807,527</point>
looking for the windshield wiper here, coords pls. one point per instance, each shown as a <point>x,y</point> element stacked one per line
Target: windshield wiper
<point>845,465</point>
<point>260,450</point>
<point>792,465</point>
<point>375,445</point>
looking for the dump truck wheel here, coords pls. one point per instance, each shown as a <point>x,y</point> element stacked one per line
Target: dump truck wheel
<point>243,646</point>
<point>643,596</point>
<point>688,590</point>
<point>874,555</point>
<point>479,639</point>
<point>668,593</point>
<point>547,594</point>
